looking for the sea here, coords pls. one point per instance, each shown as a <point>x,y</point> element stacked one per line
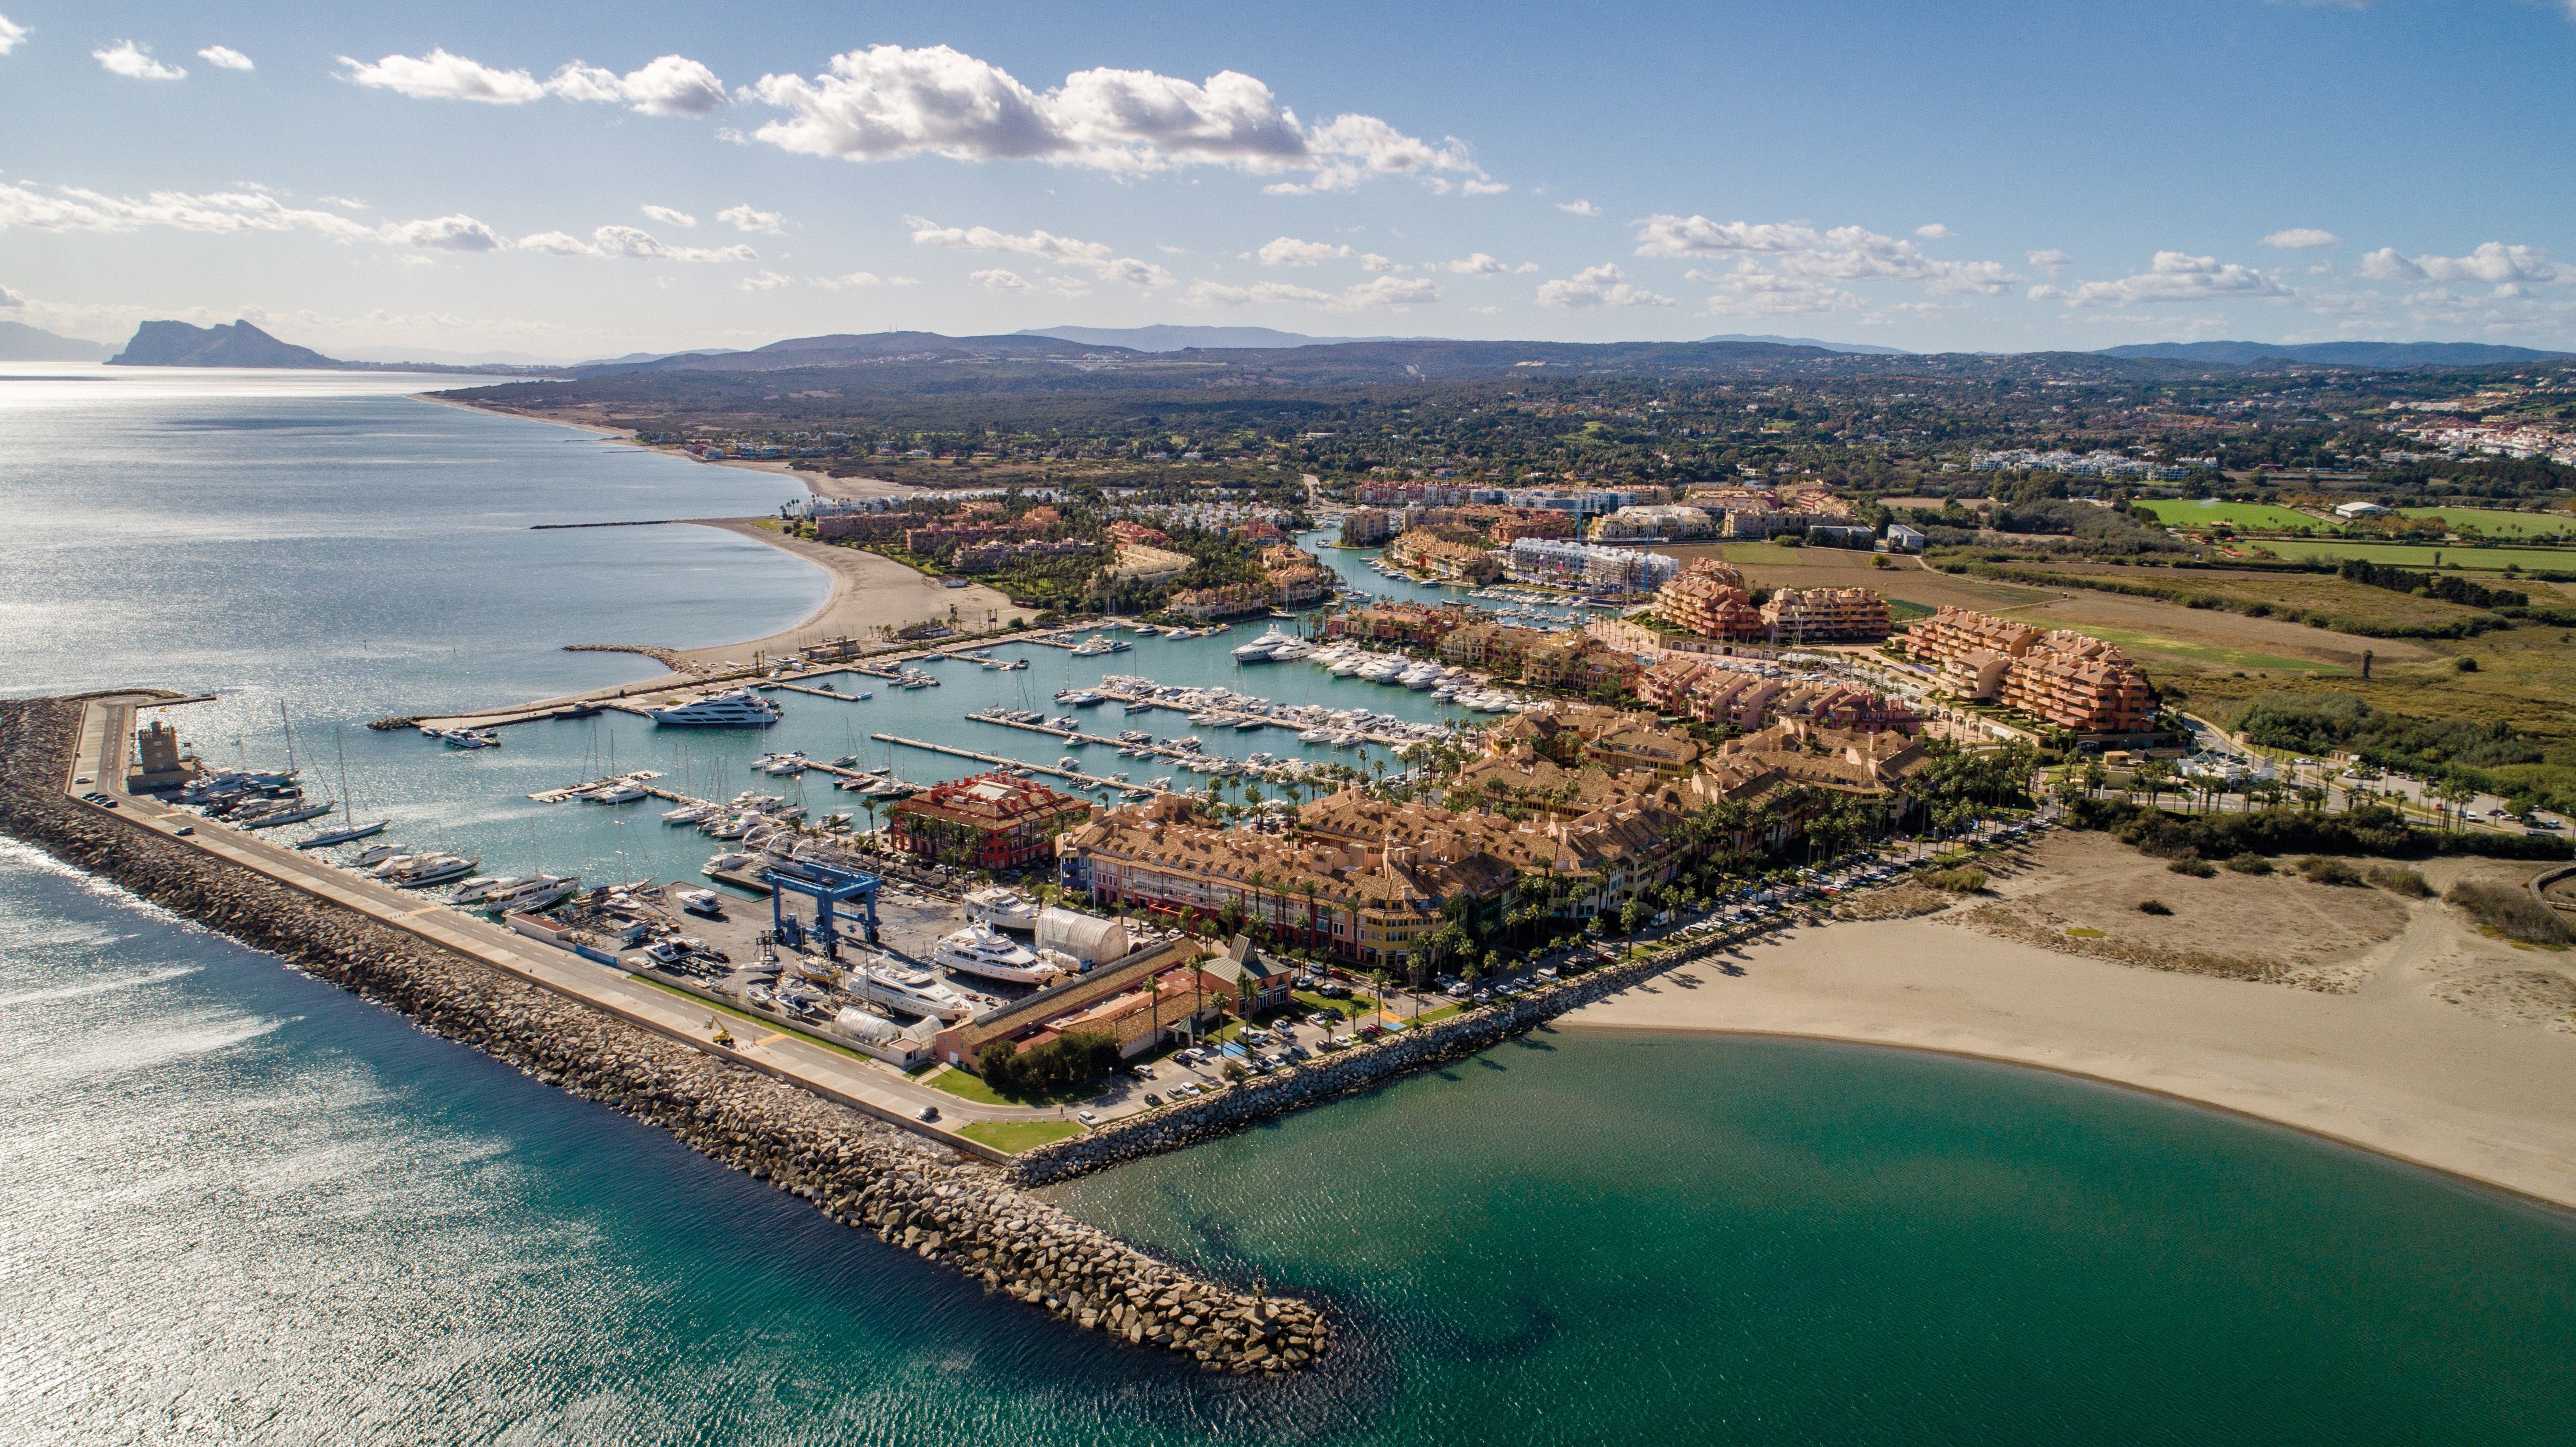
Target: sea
<point>239,1205</point>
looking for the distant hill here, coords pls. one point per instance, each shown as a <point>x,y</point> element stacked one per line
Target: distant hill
<point>844,349</point>
<point>177,344</point>
<point>1858,349</point>
<point>20,342</point>
<point>2337,354</point>
<point>1174,339</point>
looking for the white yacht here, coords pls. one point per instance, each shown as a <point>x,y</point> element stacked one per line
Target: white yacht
<point>980,949</point>
<point>373,855</point>
<point>916,990</point>
<point>1348,664</point>
<point>1079,698</point>
<point>729,862</point>
<point>1263,648</point>
<point>1383,669</point>
<point>1420,676</point>
<point>690,814</point>
<point>783,765</point>
<point>484,886</point>
<point>700,902</point>
<point>740,709</point>
<point>428,869</point>
<point>1293,649</point>
<point>537,892</point>
<point>615,794</point>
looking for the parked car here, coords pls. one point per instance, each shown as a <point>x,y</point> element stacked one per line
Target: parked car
<point>1152,1099</point>
<point>1086,1117</point>
<point>927,1112</point>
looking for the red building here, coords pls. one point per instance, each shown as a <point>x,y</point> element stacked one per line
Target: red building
<point>985,821</point>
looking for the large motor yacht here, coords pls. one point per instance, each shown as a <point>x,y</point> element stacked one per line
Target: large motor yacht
<point>1001,908</point>
<point>919,991</point>
<point>1263,648</point>
<point>740,709</point>
<point>979,949</point>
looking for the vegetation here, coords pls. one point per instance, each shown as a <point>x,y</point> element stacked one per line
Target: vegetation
<point>2154,906</point>
<point>2373,829</point>
<point>2324,869</point>
<point>2397,879</point>
<point>1067,1065</point>
<point>1953,881</point>
<point>2511,912</point>
<point>1016,1136</point>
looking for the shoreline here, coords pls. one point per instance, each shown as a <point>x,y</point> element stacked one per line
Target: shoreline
<point>2387,1069</point>
<point>2170,1097</point>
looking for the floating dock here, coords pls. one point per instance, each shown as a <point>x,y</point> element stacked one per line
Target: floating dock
<point>1087,780</point>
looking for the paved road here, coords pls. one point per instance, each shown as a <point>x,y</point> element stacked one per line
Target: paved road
<point>879,1090</point>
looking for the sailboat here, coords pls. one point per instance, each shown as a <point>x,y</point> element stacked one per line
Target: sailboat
<point>350,828</point>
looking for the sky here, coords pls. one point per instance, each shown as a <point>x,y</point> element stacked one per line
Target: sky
<point>576,180</point>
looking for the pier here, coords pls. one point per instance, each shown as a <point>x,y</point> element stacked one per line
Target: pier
<point>1230,717</point>
<point>1087,780</point>
<point>1280,773</point>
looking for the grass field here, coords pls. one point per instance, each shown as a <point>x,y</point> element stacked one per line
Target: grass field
<point>2498,523</point>
<point>967,1086</point>
<point>2235,514</point>
<point>2214,655</point>
<point>2416,555</point>
<point>1016,1136</point>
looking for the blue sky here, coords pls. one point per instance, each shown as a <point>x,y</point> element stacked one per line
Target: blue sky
<point>580,180</point>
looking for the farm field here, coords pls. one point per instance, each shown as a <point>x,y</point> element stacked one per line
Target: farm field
<point>2235,514</point>
<point>2497,522</point>
<point>2423,555</point>
<point>2293,597</point>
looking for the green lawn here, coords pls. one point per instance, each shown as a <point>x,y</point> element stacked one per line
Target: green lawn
<point>968,1086</point>
<point>2498,523</point>
<point>1343,1008</point>
<point>1443,1013</point>
<point>1016,1136</point>
<point>2235,514</point>
<point>2425,555</point>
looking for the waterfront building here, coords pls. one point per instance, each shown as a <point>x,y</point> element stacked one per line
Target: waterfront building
<point>1709,599</point>
<point>1797,616</point>
<point>1427,552</point>
<point>1653,522</point>
<point>1136,1000</point>
<point>984,821</point>
<point>1589,567</point>
<point>1253,981</point>
<point>1498,646</point>
<point>1410,625</point>
<point>1122,532</point>
<point>2064,678</point>
<point>1366,527</point>
<point>1515,524</point>
<point>1576,661</point>
<point>1234,600</point>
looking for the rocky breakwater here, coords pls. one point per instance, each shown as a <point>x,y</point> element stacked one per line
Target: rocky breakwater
<point>915,1194</point>
<point>1342,1073</point>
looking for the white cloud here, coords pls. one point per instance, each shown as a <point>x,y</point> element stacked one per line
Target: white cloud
<point>745,218</point>
<point>1000,280</point>
<point>224,57</point>
<point>2493,263</point>
<point>1289,251</point>
<point>10,34</point>
<point>1597,286</point>
<point>668,216</point>
<point>1484,188</point>
<point>2302,238</point>
<point>441,76</point>
<point>629,241</point>
<point>1753,290</point>
<point>2051,260</point>
<point>888,102</point>
<point>557,243</point>
<point>765,281</point>
<point>1934,232</point>
<point>1385,291</point>
<point>134,62</point>
<point>1842,253</point>
<point>446,233</point>
<point>2173,276</point>
<point>1478,264</point>
<point>671,85</point>
<point>73,208</point>
<point>1090,256</point>
<point>1579,208</point>
<point>840,283</point>
<point>10,298</point>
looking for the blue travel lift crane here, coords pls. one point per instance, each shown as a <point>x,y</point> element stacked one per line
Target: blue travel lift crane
<point>829,888</point>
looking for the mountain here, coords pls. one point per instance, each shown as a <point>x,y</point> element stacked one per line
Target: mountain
<point>2337,354</point>
<point>177,344</point>
<point>20,342</point>
<point>846,349</point>
<point>399,356</point>
<point>1857,349</point>
<point>1175,339</point>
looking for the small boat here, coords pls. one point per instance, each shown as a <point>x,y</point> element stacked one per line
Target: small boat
<point>705,903</point>
<point>293,813</point>
<point>1079,698</point>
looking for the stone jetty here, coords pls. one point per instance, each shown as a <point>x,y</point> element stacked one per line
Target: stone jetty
<point>861,1172</point>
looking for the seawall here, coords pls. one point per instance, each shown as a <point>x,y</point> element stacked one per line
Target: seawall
<point>1345,1072</point>
<point>859,1171</point>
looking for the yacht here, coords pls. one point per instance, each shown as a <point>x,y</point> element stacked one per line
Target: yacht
<point>432,869</point>
<point>541,891</point>
<point>295,812</point>
<point>1420,676</point>
<point>729,862</point>
<point>1382,670</point>
<point>1316,736</point>
<point>690,814</point>
<point>470,739</point>
<point>1347,664</point>
<point>783,765</point>
<point>733,828</point>
<point>979,949</point>
<point>373,855</point>
<point>738,709</point>
<point>704,902</point>
<point>1080,698</point>
<point>1248,724</point>
<point>1292,650</point>
<point>1069,764</point>
<point>615,794</point>
<point>916,990</point>
<point>484,886</point>
<point>1264,648</point>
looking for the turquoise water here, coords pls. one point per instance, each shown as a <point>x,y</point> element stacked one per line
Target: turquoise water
<point>237,1204</point>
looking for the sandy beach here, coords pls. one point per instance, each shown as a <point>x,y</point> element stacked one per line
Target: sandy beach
<point>2409,1055</point>
<point>868,590</point>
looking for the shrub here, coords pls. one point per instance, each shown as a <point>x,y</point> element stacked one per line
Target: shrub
<point>2250,863</point>
<point>2193,865</point>
<point>2397,879</point>
<point>1956,881</point>
<point>2512,912</point>
<point>2154,906</point>
<point>2466,665</point>
<point>2323,870</point>
<point>1067,1063</point>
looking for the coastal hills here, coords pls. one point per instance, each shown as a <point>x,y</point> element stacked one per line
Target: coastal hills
<point>239,344</point>
<point>20,342</point>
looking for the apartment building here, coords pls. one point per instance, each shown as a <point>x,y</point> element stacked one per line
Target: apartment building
<point>1366,527</point>
<point>1709,599</point>
<point>984,821</point>
<point>1576,661</point>
<point>1498,646</point>
<point>1590,568</point>
<point>2076,682</point>
<point>1427,552</point>
<point>1969,652</point>
<point>1826,615</point>
<point>1411,625</point>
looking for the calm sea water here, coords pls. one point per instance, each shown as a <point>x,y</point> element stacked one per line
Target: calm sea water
<point>237,1204</point>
